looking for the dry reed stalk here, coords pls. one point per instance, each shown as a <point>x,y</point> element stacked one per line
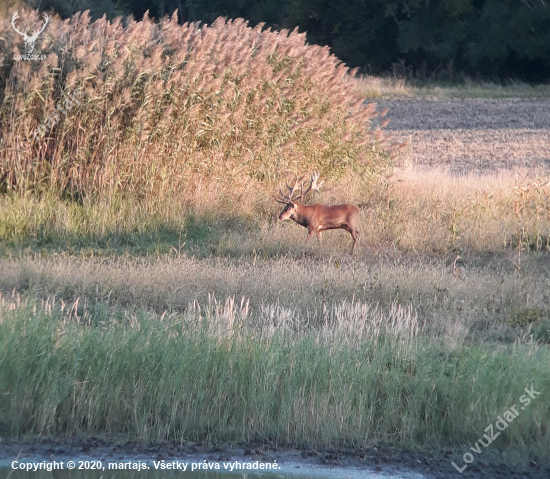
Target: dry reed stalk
<point>166,105</point>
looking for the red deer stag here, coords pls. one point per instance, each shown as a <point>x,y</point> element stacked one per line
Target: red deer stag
<point>319,217</point>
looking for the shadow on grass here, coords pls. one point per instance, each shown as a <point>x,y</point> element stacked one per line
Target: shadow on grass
<point>199,236</point>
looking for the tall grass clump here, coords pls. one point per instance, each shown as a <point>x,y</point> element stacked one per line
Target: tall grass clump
<point>504,211</point>
<point>222,372</point>
<point>167,111</point>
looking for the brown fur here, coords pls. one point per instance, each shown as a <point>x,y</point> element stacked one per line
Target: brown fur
<point>320,217</point>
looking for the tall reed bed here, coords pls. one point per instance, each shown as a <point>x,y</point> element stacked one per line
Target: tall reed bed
<point>219,372</point>
<point>199,113</point>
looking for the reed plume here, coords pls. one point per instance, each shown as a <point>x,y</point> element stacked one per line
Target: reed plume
<point>165,105</point>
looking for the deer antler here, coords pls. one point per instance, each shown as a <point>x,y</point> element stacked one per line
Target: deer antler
<point>15,17</point>
<point>288,198</point>
<point>312,186</point>
<point>36,33</point>
<point>34,36</point>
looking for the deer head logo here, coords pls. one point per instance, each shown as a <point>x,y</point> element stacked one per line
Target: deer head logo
<point>29,40</point>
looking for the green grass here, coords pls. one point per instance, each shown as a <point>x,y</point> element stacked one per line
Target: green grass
<point>479,90</point>
<point>469,215</point>
<point>48,224</point>
<point>230,373</point>
<point>127,245</point>
<point>126,319</point>
<point>323,350</point>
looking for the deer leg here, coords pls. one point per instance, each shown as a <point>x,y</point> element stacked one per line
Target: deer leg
<point>355,235</point>
<point>319,237</point>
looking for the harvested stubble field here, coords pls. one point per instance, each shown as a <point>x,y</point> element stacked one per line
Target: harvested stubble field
<point>474,134</point>
<point>157,301</point>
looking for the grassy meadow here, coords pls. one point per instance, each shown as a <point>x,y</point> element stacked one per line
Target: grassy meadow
<point>148,292</point>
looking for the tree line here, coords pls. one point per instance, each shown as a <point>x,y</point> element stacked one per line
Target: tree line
<point>442,39</point>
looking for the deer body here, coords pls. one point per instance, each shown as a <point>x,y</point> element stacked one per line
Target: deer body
<point>319,217</point>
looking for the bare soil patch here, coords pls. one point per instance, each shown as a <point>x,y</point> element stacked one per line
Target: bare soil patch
<point>467,114</point>
<point>473,134</point>
<point>483,150</point>
<point>323,462</point>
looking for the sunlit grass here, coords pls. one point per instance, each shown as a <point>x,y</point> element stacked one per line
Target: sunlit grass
<point>470,214</point>
<point>373,87</point>
<point>147,290</point>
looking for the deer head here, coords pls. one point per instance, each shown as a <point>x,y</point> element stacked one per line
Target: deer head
<point>29,40</point>
<point>289,200</point>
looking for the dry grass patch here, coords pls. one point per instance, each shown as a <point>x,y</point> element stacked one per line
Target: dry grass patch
<point>418,212</point>
<point>372,87</point>
<point>434,211</point>
<point>485,304</point>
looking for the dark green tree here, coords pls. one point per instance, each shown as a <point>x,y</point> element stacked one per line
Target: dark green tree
<point>488,38</point>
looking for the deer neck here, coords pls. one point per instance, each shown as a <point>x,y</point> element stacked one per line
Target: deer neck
<point>302,217</point>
